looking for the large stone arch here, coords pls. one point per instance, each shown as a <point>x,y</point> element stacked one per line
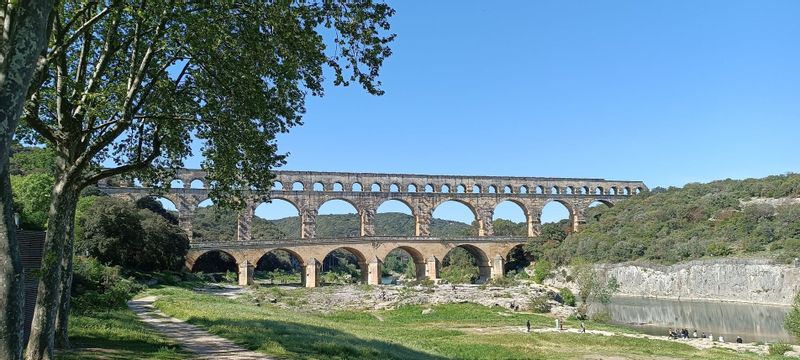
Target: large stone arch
<point>418,258</point>
<point>481,257</point>
<point>193,257</point>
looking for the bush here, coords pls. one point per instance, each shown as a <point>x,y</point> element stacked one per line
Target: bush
<point>116,232</point>
<point>99,287</point>
<point>718,249</point>
<point>505,281</point>
<point>779,348</point>
<point>540,303</point>
<point>456,274</point>
<point>231,277</point>
<point>567,296</point>
<point>792,320</point>
<point>602,316</point>
<point>541,271</point>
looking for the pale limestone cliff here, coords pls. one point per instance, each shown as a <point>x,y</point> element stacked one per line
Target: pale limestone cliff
<point>744,280</point>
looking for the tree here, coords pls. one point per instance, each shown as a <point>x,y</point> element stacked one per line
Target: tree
<point>124,87</point>
<point>550,237</point>
<point>26,160</point>
<point>118,233</point>
<point>31,199</point>
<point>22,38</point>
<point>792,320</point>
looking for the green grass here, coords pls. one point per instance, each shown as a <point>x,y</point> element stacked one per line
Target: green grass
<point>116,334</point>
<point>460,331</point>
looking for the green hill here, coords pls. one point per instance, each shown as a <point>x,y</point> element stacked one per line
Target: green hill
<point>212,224</point>
<point>721,218</point>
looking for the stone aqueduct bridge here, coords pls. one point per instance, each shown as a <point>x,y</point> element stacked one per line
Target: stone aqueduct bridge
<point>308,191</point>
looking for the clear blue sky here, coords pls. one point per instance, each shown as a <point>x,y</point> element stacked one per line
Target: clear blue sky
<point>667,92</point>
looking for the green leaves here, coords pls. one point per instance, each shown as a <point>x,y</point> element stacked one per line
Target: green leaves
<point>32,199</point>
<point>143,80</point>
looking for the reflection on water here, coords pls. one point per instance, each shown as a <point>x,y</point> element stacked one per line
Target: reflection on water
<point>654,316</point>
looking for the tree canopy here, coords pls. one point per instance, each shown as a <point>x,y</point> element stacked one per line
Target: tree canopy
<point>127,87</point>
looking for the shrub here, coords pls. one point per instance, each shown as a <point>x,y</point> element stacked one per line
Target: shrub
<point>567,296</point>
<point>99,287</point>
<point>792,320</point>
<point>540,303</point>
<point>779,348</point>
<point>601,316</point>
<point>505,281</point>
<point>231,277</point>
<point>718,249</point>
<point>541,271</point>
<point>456,274</point>
<point>116,232</point>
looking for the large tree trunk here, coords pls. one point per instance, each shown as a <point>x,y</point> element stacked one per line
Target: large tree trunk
<point>62,325</point>
<point>61,214</point>
<point>23,36</point>
<point>11,277</point>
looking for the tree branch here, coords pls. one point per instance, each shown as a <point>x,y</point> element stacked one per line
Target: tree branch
<point>139,165</point>
<point>65,44</point>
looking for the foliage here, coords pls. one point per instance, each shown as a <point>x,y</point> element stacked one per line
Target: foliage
<point>601,316</point>
<point>503,227</point>
<point>459,267</point>
<point>540,303</point>
<point>216,224</point>
<point>698,220</point>
<point>517,260</point>
<point>792,320</point>
<point>149,79</point>
<point>505,281</point>
<point>27,160</point>
<point>541,271</point>
<point>567,296</point>
<point>592,286</point>
<point>779,348</point>
<point>32,199</point>
<point>549,238</point>
<point>117,232</point>
<point>97,287</point>
<point>231,277</point>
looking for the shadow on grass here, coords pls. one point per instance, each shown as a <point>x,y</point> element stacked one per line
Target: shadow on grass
<point>300,341</point>
<point>116,334</point>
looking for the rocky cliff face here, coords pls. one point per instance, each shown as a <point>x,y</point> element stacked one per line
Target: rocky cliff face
<point>744,280</point>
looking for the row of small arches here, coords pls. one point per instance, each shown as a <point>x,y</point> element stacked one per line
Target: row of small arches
<point>491,189</point>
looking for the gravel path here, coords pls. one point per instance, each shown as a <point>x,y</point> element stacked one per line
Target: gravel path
<point>190,337</point>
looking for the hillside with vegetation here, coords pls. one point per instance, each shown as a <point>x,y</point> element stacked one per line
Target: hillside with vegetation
<point>216,224</point>
<point>752,217</point>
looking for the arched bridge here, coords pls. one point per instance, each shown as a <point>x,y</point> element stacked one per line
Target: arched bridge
<point>308,191</point>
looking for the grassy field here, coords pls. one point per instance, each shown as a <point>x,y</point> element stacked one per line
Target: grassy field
<point>117,334</point>
<point>458,331</point>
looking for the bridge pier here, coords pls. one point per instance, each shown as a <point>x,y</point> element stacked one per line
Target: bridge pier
<point>374,271</point>
<point>246,270</point>
<point>432,268</point>
<point>497,267</point>
<point>419,268</point>
<point>311,278</point>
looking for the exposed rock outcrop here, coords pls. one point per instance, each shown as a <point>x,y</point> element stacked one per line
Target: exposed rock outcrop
<point>742,280</point>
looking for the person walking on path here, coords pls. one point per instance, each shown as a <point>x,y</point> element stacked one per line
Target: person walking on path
<point>583,328</point>
<point>528,325</point>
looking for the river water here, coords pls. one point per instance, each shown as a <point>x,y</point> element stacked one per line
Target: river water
<point>753,322</point>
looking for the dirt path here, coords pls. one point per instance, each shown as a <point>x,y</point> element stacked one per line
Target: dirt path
<point>190,337</point>
<point>695,342</point>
